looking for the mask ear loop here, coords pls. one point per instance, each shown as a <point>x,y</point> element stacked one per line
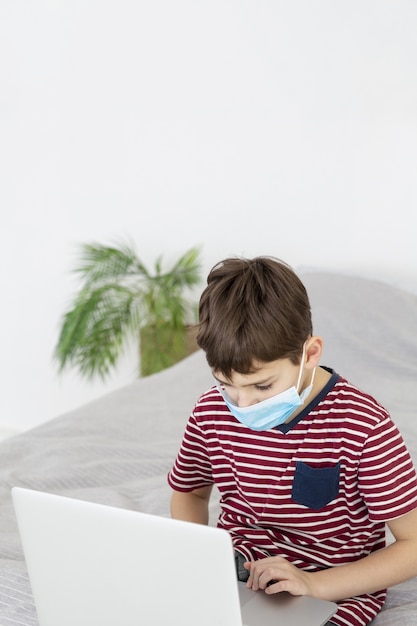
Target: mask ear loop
<point>301,369</point>
<point>301,366</point>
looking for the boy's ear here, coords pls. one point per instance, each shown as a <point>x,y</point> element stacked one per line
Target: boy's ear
<point>314,350</point>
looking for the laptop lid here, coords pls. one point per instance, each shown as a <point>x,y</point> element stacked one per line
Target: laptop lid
<point>96,565</point>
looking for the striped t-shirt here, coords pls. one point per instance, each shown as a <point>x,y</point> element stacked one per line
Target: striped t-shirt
<point>316,491</point>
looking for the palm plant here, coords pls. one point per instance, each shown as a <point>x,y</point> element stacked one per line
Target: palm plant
<point>120,299</point>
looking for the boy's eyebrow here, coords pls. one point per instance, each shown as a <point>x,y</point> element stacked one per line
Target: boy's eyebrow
<point>257,382</point>
<point>220,381</point>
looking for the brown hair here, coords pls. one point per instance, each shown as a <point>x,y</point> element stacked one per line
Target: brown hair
<point>252,310</point>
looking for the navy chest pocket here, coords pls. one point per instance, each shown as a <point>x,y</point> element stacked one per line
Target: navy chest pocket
<point>315,487</point>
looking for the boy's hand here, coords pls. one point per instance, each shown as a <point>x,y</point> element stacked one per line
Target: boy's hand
<point>275,574</point>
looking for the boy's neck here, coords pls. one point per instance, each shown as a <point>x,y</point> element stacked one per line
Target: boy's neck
<point>321,379</point>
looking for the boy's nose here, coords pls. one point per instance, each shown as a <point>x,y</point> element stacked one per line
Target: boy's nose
<point>244,399</point>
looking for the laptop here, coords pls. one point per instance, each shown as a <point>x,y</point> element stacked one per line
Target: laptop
<point>97,565</point>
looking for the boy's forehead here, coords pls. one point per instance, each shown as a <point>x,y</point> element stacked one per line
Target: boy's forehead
<point>260,371</point>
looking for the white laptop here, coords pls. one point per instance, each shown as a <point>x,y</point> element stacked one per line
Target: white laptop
<point>96,565</point>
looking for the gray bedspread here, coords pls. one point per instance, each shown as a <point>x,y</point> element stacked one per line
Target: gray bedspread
<point>117,450</point>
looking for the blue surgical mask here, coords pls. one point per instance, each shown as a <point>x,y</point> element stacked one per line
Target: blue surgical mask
<point>273,411</point>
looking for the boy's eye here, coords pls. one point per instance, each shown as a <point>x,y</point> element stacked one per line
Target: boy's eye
<point>263,387</point>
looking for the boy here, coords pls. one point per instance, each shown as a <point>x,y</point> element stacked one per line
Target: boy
<point>308,467</point>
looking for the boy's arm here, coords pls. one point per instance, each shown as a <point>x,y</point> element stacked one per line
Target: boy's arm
<point>191,506</point>
<point>383,568</point>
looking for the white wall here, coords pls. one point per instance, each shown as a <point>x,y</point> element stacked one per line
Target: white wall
<point>246,127</point>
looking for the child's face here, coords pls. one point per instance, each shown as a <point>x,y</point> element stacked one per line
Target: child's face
<point>267,380</point>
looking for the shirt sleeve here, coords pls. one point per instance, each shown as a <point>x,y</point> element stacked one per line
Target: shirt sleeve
<point>192,467</point>
<point>387,477</point>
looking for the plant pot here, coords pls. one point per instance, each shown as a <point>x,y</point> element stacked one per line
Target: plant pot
<point>162,346</point>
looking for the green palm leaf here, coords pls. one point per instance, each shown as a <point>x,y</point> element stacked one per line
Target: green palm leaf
<point>118,299</point>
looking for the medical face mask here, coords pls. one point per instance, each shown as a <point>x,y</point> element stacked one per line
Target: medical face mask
<point>273,411</point>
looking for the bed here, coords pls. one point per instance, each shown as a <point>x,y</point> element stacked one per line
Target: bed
<point>118,449</point>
